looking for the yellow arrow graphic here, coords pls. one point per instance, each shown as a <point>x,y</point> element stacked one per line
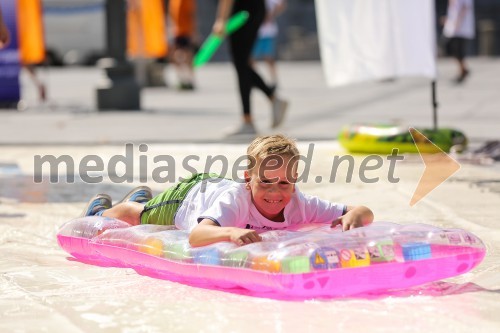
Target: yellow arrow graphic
<point>438,168</point>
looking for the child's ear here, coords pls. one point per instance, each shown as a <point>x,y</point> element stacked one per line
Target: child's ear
<point>247,176</point>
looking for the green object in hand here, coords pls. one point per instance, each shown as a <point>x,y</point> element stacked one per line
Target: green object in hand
<point>213,42</point>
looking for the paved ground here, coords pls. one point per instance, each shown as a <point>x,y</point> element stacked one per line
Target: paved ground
<point>316,112</point>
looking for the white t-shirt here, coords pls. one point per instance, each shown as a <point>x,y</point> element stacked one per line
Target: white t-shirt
<point>229,204</point>
<point>270,28</point>
<point>456,28</point>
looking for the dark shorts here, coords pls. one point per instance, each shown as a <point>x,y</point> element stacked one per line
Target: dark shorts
<point>163,207</point>
<point>456,47</point>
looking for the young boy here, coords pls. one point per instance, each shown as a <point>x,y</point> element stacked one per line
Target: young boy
<point>217,209</point>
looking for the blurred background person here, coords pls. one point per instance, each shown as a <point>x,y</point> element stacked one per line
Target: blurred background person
<point>183,14</point>
<point>39,84</point>
<point>459,26</point>
<point>4,32</point>
<point>29,67</point>
<point>241,43</point>
<point>265,46</point>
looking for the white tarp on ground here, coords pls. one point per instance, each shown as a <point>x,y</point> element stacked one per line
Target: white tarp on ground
<point>42,289</point>
<point>364,40</point>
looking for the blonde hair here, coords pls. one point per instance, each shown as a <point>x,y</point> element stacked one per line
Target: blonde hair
<point>271,145</point>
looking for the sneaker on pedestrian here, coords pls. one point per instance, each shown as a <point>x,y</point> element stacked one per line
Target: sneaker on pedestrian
<point>461,78</point>
<point>140,194</point>
<point>279,110</point>
<point>244,129</point>
<point>97,204</point>
<point>186,86</point>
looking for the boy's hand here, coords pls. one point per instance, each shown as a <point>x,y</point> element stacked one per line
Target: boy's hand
<point>348,222</point>
<point>354,218</point>
<point>244,236</point>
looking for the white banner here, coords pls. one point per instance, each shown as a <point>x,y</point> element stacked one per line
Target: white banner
<point>364,40</point>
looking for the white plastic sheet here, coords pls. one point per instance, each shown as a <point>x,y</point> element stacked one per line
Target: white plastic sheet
<point>364,40</point>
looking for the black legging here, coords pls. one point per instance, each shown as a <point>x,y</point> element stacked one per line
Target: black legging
<point>241,45</point>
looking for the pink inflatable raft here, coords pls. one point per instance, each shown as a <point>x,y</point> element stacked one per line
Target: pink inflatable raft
<point>312,261</point>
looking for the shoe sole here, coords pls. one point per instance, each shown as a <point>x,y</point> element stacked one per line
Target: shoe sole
<point>101,195</point>
<point>135,189</point>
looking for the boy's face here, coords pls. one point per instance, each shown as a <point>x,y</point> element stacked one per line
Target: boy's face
<point>272,184</point>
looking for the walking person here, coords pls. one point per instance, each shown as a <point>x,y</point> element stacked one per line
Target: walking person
<point>459,27</point>
<point>241,44</point>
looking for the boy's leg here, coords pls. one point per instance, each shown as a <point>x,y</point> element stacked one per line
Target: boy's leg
<point>129,212</point>
<point>163,207</point>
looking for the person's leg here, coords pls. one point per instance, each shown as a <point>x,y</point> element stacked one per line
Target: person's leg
<point>129,212</point>
<point>183,14</point>
<point>257,80</point>
<point>464,71</point>
<point>241,44</point>
<point>163,207</point>
<point>457,46</point>
<point>183,59</point>
<point>128,209</point>
<point>279,106</point>
<point>272,70</point>
<point>259,83</point>
<point>40,86</point>
<point>270,60</point>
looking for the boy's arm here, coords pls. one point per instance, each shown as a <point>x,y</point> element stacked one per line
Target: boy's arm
<point>208,232</point>
<point>355,217</point>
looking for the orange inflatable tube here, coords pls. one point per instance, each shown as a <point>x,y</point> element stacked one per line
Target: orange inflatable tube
<point>30,32</point>
<point>146,29</point>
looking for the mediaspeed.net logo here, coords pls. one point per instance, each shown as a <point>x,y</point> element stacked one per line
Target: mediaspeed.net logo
<point>165,169</point>
<point>438,168</point>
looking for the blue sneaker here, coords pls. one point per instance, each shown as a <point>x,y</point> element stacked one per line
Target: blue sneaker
<point>97,205</point>
<point>140,194</point>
